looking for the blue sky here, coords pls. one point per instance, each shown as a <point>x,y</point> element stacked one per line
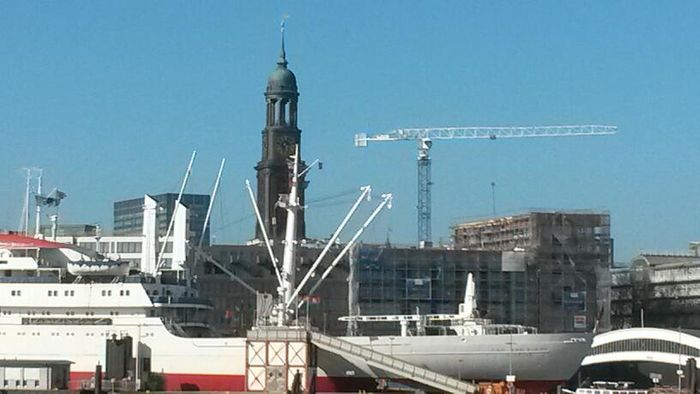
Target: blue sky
<point>110,98</point>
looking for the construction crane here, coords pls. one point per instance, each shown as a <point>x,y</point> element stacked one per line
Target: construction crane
<point>425,137</point>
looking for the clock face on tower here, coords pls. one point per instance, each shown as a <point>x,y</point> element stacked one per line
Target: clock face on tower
<point>284,145</point>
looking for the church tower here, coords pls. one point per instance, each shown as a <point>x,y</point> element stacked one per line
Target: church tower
<point>279,137</point>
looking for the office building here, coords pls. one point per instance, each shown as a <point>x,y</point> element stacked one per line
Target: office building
<point>128,215</point>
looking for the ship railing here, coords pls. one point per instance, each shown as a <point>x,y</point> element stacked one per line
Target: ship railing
<point>30,279</point>
<point>111,385</point>
<point>396,366</point>
<point>181,300</point>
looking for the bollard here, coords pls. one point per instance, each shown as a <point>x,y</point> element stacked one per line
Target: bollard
<point>691,373</point>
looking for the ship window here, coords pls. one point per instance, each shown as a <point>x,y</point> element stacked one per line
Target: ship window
<point>65,293</point>
<point>109,292</point>
<point>12,292</point>
<point>72,292</point>
<point>121,292</point>
<point>104,292</point>
<point>127,292</point>
<point>49,293</point>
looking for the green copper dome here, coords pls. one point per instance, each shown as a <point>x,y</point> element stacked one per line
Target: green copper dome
<point>282,79</point>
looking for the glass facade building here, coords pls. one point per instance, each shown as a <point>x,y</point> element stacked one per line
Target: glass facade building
<point>128,215</point>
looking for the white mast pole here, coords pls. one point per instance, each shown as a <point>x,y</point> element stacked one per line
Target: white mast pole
<point>387,199</point>
<point>37,227</point>
<point>264,233</point>
<point>211,202</point>
<point>290,243</point>
<point>172,219</point>
<point>365,191</point>
<point>25,211</point>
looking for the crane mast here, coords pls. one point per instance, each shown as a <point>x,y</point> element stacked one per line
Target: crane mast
<point>425,137</point>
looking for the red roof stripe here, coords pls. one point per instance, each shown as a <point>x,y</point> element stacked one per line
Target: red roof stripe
<point>17,241</point>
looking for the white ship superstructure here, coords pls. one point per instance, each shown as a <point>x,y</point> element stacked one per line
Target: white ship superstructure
<point>50,314</point>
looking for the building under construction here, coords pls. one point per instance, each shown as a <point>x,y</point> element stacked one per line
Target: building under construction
<point>375,280</point>
<point>394,280</point>
<point>548,270</point>
<point>566,257</point>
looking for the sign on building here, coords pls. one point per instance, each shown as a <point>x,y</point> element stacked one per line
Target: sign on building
<point>418,289</point>
<point>574,301</point>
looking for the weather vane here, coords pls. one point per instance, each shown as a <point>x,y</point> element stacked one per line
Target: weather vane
<point>283,23</point>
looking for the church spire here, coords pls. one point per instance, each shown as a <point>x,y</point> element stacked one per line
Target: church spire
<point>282,62</point>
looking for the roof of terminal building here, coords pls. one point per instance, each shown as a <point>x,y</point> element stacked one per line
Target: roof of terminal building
<point>656,259</point>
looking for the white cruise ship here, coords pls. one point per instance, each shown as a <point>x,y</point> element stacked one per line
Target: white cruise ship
<point>61,304</point>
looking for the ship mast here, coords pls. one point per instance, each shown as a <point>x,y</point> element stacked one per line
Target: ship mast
<point>37,227</point>
<point>291,204</point>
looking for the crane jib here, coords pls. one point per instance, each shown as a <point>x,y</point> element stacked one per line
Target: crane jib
<point>424,136</point>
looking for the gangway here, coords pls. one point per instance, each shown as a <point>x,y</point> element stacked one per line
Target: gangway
<point>393,365</point>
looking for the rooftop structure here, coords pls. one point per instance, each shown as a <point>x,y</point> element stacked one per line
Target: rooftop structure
<point>140,248</point>
<point>69,230</point>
